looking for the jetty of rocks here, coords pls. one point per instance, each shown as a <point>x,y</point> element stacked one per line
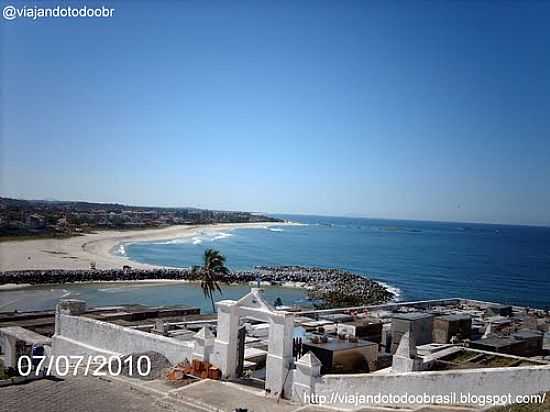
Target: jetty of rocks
<point>329,287</point>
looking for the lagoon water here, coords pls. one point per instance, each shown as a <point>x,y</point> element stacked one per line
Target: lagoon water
<point>423,260</point>
<point>115,293</point>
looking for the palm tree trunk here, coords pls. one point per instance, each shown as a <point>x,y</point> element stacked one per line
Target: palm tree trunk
<point>213,304</point>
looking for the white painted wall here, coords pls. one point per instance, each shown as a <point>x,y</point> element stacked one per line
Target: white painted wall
<point>480,382</point>
<point>8,347</point>
<point>77,335</point>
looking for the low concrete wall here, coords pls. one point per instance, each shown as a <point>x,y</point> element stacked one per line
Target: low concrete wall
<point>341,390</point>
<point>78,335</point>
<point>385,306</point>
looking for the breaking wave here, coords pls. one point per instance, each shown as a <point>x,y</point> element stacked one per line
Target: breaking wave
<point>393,289</point>
<point>113,290</point>
<point>222,235</point>
<point>198,239</point>
<point>171,242</point>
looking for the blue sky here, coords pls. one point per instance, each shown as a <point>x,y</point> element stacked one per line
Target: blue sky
<point>417,109</point>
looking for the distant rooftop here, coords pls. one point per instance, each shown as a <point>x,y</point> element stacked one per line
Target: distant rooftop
<point>412,315</point>
<point>456,316</point>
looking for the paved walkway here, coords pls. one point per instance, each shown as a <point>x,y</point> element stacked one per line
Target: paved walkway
<point>76,394</point>
<point>122,394</point>
<point>216,396</point>
<point>225,396</point>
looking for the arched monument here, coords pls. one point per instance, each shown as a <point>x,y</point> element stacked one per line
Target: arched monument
<point>279,358</point>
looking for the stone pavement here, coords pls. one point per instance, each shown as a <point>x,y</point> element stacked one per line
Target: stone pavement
<point>76,394</point>
<point>216,396</point>
<point>225,396</point>
<point>122,394</point>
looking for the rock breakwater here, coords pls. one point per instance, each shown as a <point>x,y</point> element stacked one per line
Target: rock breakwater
<point>330,287</point>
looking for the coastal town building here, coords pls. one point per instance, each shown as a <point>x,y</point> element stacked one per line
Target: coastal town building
<point>33,217</point>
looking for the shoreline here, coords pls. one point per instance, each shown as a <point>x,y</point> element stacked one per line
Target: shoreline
<point>6,287</point>
<point>78,252</point>
<point>41,262</point>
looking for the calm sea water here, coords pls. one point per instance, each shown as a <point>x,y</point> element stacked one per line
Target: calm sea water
<point>107,294</point>
<point>424,260</point>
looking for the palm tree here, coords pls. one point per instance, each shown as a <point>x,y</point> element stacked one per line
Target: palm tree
<point>211,273</point>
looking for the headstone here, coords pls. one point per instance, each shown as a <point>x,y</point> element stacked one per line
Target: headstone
<point>159,326</point>
<point>488,331</point>
<point>407,346</point>
<point>405,358</point>
<point>71,307</point>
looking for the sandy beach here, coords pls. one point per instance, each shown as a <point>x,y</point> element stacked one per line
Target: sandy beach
<point>79,251</point>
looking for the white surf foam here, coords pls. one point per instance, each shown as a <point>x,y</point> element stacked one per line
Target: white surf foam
<point>113,290</point>
<point>393,289</point>
<point>198,239</point>
<point>220,235</point>
<point>171,242</point>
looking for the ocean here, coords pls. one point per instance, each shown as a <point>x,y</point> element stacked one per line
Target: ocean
<point>419,260</point>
